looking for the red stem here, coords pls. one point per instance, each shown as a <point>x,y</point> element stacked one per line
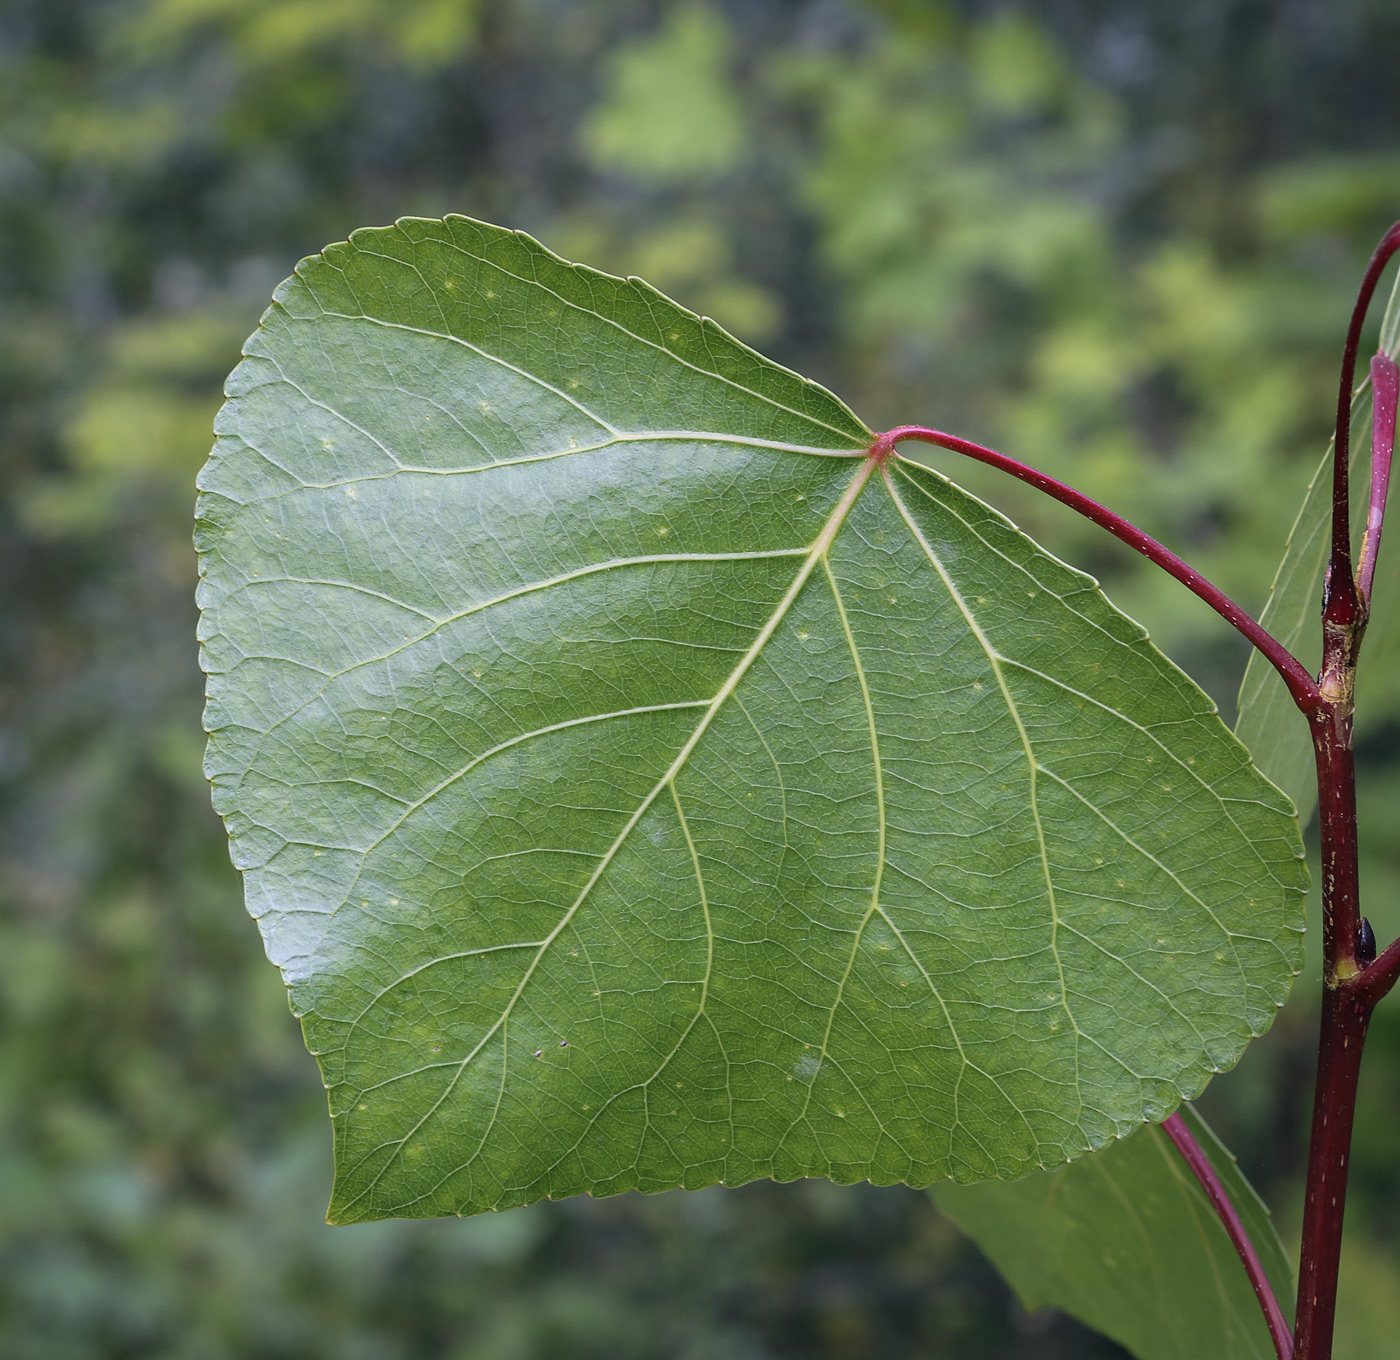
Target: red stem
<point>1336,815</point>
<point>1350,994</point>
<point>1351,988</point>
<point>1201,1168</point>
<point>1300,684</point>
<point>1346,1010</point>
<point>1385,388</point>
<point>1346,1013</point>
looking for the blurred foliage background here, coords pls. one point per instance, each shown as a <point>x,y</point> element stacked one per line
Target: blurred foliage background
<point>1115,237</point>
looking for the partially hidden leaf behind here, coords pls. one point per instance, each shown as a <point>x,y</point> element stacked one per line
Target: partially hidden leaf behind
<point>1269,723</point>
<point>1126,1241</point>
<point>640,786</point>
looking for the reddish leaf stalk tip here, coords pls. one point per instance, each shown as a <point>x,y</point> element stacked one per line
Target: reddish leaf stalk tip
<point>1301,685</point>
<point>1194,1157</point>
<point>882,446</point>
<point>1376,980</point>
<point>1385,389</point>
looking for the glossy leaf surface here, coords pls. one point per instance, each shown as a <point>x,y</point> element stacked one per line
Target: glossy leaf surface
<point>639,787</point>
<point>1126,1241</point>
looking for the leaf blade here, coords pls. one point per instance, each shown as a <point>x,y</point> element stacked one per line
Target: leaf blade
<point>636,790</point>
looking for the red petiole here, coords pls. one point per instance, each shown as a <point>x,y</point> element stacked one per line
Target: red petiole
<point>1175,1129</point>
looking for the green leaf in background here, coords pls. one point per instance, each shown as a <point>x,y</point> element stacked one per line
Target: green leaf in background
<point>1127,1242</point>
<point>639,788</point>
<point>1269,723</point>
<point>671,110</point>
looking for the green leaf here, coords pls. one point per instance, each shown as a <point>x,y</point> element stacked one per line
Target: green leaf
<point>1269,723</point>
<point>639,787</point>
<point>1126,1241</point>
